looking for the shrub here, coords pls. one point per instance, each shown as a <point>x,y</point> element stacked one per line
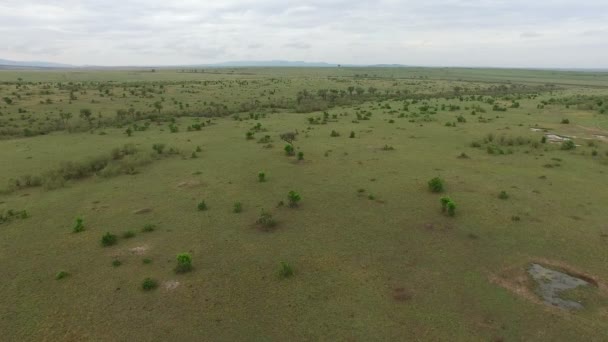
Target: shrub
<point>568,145</point>
<point>565,121</point>
<point>249,135</point>
<point>503,195</point>
<point>334,134</point>
<point>128,234</point>
<point>444,203</point>
<point>436,185</point>
<point>238,207</point>
<point>266,220</point>
<point>261,177</point>
<point>116,263</point>
<point>300,155</point>
<point>451,208</point>
<point>543,140</point>
<point>109,239</point>
<point>352,134</point>
<point>158,148</point>
<point>285,270</point>
<point>202,206</point>
<point>149,284</point>
<point>184,263</point>
<point>147,261</point>
<point>79,226</point>
<point>61,275</point>
<point>289,150</point>
<point>148,228</point>
<point>293,198</point>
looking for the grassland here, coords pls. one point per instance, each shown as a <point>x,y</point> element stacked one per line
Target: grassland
<point>373,256</point>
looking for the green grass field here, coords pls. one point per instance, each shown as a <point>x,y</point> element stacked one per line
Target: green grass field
<point>374,258</point>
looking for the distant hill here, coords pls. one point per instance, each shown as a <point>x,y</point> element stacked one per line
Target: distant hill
<point>31,64</point>
<point>270,64</point>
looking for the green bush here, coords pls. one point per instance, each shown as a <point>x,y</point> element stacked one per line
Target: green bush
<point>436,185</point>
<point>503,195</point>
<point>565,121</point>
<point>289,150</point>
<point>238,207</point>
<point>352,134</point>
<point>149,284</point>
<point>300,155</point>
<point>285,270</point>
<point>79,226</point>
<point>108,239</point>
<point>158,148</point>
<point>147,261</point>
<point>184,263</point>
<point>61,275</point>
<point>128,234</point>
<point>202,206</point>
<point>148,228</point>
<point>116,263</point>
<point>444,203</point>
<point>451,208</point>
<point>266,220</point>
<point>261,177</point>
<point>334,134</point>
<point>293,198</point>
<point>568,145</point>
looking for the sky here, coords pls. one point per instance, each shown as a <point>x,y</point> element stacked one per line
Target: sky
<point>497,33</point>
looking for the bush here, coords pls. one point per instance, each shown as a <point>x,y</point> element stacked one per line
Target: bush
<point>238,207</point>
<point>444,203</point>
<point>352,134</point>
<point>128,234</point>
<point>148,228</point>
<point>261,177</point>
<point>568,145</point>
<point>108,239</point>
<point>300,155</point>
<point>116,263</point>
<point>334,134</point>
<point>184,263</point>
<point>289,150</point>
<point>158,148</point>
<point>79,226</point>
<point>293,198</point>
<point>503,195</point>
<point>285,270</point>
<point>149,284</point>
<point>202,206</point>
<point>147,261</point>
<point>61,275</point>
<point>266,220</point>
<point>565,121</point>
<point>543,140</point>
<point>436,185</point>
<point>451,208</point>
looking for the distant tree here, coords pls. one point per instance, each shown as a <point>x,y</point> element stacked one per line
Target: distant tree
<point>65,118</point>
<point>86,114</point>
<point>158,105</point>
<point>372,90</point>
<point>360,91</point>
<point>350,90</point>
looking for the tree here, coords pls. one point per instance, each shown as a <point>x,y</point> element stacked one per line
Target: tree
<point>65,117</point>
<point>350,90</point>
<point>158,105</point>
<point>360,91</point>
<point>86,114</point>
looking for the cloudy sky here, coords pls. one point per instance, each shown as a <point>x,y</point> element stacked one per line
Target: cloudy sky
<point>503,33</point>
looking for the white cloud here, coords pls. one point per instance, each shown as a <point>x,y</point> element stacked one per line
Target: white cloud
<point>519,33</point>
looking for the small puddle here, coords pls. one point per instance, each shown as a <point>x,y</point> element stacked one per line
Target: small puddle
<point>551,283</point>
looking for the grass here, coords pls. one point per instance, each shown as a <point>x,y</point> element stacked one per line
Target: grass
<point>350,254</point>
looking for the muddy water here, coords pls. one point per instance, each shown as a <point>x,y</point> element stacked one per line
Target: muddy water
<point>551,283</point>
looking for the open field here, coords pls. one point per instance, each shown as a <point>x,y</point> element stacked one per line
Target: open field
<point>373,255</point>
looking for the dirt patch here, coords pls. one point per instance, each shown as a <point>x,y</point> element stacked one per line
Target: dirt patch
<point>170,285</point>
<point>189,184</point>
<point>516,279</point>
<point>401,294</point>
<point>142,211</point>
<point>554,138</point>
<point>140,250</point>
